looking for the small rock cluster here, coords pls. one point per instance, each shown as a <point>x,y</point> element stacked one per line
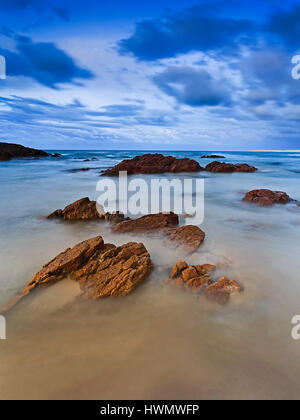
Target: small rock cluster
<point>197,279</point>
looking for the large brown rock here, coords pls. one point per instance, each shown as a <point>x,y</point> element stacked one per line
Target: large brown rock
<point>267,197</point>
<point>148,223</point>
<point>115,272</point>
<point>185,239</point>
<point>222,167</point>
<point>10,151</point>
<point>84,209</point>
<point>101,270</point>
<point>154,164</point>
<point>66,263</point>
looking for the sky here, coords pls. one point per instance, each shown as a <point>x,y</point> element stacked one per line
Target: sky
<point>159,75</point>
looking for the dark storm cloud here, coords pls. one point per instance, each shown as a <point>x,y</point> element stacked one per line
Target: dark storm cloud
<point>286,26</point>
<point>192,87</point>
<point>42,61</point>
<point>18,4</point>
<point>196,28</point>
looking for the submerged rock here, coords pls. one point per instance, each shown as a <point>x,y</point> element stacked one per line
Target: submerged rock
<point>101,270</point>
<point>74,171</point>
<point>267,197</point>
<point>185,239</point>
<point>221,290</point>
<point>154,164</point>
<point>212,157</point>
<point>84,209</point>
<point>222,167</point>
<point>148,223</point>
<point>10,151</point>
<point>197,279</point>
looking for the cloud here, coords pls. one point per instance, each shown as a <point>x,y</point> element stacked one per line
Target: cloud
<point>192,87</point>
<point>43,62</point>
<point>18,4</point>
<point>195,29</point>
<point>39,6</point>
<point>286,26</point>
<point>267,77</point>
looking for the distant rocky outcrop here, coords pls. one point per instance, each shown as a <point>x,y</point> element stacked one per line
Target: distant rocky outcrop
<point>267,197</point>
<point>148,223</point>
<point>101,270</point>
<point>85,209</point>
<point>197,279</point>
<point>10,151</point>
<point>154,164</point>
<point>222,167</point>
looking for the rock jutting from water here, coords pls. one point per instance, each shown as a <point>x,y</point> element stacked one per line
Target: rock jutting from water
<point>265,197</point>
<point>185,239</point>
<point>10,151</point>
<point>101,270</point>
<point>154,164</point>
<point>197,279</point>
<point>222,167</point>
<point>85,209</point>
<point>148,223</point>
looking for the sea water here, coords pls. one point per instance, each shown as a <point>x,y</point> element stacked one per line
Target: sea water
<point>158,342</point>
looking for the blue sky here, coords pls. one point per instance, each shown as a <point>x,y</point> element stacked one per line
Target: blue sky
<point>192,75</point>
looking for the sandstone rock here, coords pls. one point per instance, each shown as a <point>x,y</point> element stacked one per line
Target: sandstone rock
<point>221,290</point>
<point>10,151</point>
<point>185,239</point>
<point>222,167</point>
<point>84,209</point>
<point>148,223</point>
<point>267,197</point>
<point>192,278</point>
<point>154,164</point>
<point>101,270</point>
<point>196,279</point>
<point>66,262</point>
<point>114,272</point>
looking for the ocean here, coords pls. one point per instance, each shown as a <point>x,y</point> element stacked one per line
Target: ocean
<point>157,343</point>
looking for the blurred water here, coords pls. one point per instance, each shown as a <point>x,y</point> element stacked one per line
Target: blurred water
<point>157,342</point>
